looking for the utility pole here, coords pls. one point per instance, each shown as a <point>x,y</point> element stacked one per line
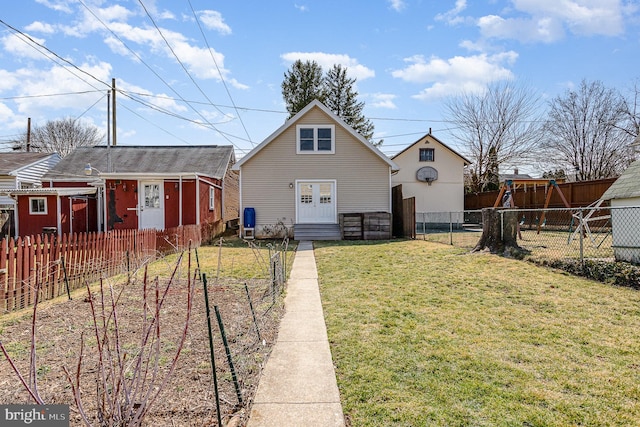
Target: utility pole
<point>108,132</point>
<point>113,103</point>
<point>28,134</point>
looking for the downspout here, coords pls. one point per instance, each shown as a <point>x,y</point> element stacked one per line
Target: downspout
<point>180,201</point>
<point>105,212</point>
<point>390,191</point>
<point>240,218</point>
<point>59,214</point>
<point>197,200</point>
<point>15,217</point>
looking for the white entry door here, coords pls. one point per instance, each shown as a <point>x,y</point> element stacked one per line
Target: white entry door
<point>152,205</point>
<point>316,202</point>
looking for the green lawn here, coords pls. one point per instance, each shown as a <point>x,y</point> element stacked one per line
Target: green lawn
<point>427,334</point>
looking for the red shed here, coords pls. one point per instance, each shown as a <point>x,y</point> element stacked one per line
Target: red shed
<point>154,186</point>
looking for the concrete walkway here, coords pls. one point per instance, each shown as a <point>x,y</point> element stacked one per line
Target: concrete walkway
<point>298,385</point>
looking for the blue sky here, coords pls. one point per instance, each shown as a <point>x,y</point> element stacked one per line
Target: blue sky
<point>205,72</point>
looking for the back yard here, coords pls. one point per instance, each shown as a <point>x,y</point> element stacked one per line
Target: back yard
<point>427,334</point>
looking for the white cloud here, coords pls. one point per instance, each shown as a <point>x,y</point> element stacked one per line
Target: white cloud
<point>328,60</point>
<point>301,7</point>
<point>547,20</point>
<point>448,76</point>
<point>452,16</point>
<point>397,5</point>
<point>214,21</point>
<point>40,27</point>
<point>57,5</point>
<point>383,100</point>
<point>17,45</point>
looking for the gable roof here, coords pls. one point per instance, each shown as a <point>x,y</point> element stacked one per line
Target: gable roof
<point>627,185</point>
<point>205,160</point>
<point>430,135</point>
<point>11,163</point>
<point>316,104</point>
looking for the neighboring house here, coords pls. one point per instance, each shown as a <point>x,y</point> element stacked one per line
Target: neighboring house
<point>624,195</point>
<point>310,173</point>
<point>433,173</point>
<point>19,171</point>
<point>134,187</point>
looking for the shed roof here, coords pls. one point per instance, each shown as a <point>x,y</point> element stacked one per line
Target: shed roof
<point>12,162</point>
<point>205,160</point>
<point>627,185</point>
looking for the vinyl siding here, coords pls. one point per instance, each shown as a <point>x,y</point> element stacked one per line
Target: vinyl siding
<point>362,178</point>
<point>446,194</point>
<point>7,183</point>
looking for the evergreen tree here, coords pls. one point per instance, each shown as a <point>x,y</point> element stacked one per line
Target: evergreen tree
<point>305,82</point>
<point>302,84</point>
<point>342,99</point>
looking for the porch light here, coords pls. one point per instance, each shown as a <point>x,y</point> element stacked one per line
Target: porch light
<point>88,169</point>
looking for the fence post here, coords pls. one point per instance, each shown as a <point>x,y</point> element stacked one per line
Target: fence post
<point>213,359</point>
<point>580,225</point>
<point>234,377</point>
<point>451,228</point>
<point>66,278</point>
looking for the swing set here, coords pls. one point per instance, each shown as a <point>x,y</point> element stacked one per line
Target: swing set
<point>506,197</point>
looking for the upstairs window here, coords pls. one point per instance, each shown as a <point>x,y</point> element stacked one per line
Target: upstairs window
<point>38,205</point>
<point>212,198</point>
<point>427,155</point>
<point>315,139</point>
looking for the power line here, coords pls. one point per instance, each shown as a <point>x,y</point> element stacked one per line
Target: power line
<point>184,68</point>
<point>53,53</point>
<point>84,92</point>
<point>223,134</point>
<point>219,72</point>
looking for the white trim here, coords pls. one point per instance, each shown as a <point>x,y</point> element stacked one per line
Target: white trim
<point>180,195</point>
<point>334,187</point>
<point>197,200</point>
<point>70,214</point>
<point>46,208</point>
<point>315,128</point>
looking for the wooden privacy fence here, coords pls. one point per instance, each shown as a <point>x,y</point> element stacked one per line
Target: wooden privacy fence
<point>578,194</point>
<point>58,264</point>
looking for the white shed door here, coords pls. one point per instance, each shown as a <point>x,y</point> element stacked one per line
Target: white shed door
<point>152,205</point>
<point>316,202</point>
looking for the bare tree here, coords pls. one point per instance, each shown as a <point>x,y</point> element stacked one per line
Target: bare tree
<point>631,109</point>
<point>498,127</point>
<point>585,132</point>
<point>60,136</point>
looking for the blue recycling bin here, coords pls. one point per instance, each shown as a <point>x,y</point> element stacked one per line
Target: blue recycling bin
<point>249,217</point>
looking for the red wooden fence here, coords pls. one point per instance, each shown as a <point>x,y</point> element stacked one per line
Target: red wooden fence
<point>54,263</point>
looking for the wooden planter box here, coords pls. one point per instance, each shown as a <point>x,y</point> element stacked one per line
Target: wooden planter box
<point>366,226</point>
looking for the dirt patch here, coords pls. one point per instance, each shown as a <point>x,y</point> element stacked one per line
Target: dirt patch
<point>188,398</point>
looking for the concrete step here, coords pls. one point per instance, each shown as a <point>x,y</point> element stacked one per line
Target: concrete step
<point>317,232</point>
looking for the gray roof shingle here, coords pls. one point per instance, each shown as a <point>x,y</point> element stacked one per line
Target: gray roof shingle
<point>627,185</point>
<point>206,160</point>
<point>10,162</point>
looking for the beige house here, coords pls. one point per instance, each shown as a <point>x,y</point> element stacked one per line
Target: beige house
<point>308,174</point>
<point>433,173</point>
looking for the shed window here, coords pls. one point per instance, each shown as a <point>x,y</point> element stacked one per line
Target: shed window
<point>315,139</point>
<point>212,198</point>
<point>38,205</point>
<point>427,154</point>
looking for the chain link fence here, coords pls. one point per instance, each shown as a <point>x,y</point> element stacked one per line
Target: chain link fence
<point>609,233</point>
